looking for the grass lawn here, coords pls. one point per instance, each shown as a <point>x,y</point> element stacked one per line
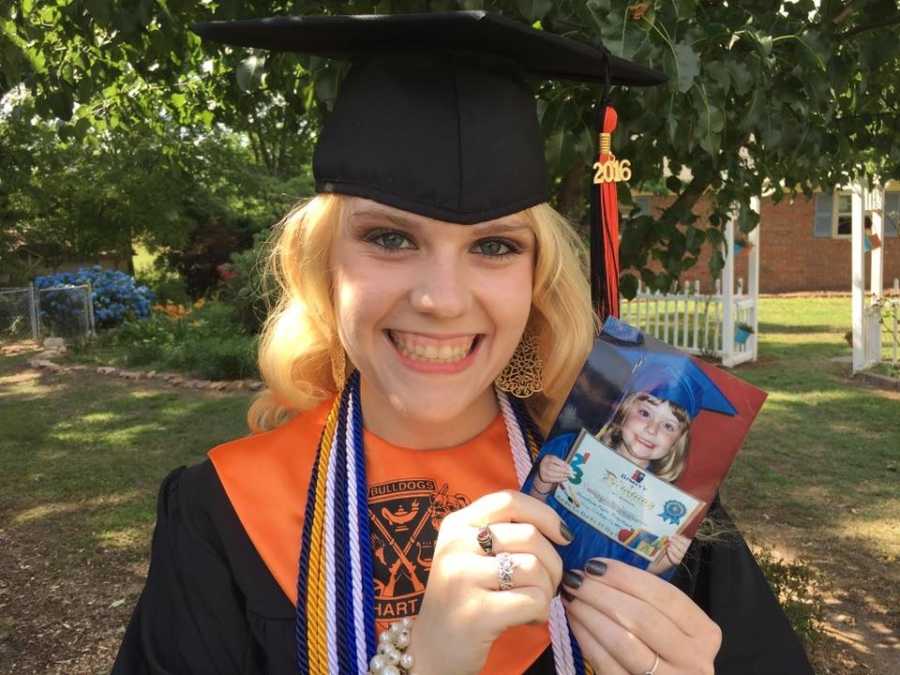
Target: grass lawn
<point>81,458</point>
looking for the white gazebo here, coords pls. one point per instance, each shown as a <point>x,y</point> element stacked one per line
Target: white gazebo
<point>866,312</point>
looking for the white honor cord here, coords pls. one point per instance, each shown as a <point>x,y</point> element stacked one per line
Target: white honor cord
<point>330,571</point>
<point>362,662</point>
<point>563,657</point>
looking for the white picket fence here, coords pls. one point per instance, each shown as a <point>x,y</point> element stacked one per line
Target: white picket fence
<point>883,333</point>
<point>692,321</point>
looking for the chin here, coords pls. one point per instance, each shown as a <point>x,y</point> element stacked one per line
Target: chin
<point>436,406</point>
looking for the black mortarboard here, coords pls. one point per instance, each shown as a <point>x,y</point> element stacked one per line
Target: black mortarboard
<point>434,116</point>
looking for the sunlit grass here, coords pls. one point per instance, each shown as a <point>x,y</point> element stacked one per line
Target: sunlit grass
<point>87,454</point>
<point>821,450</point>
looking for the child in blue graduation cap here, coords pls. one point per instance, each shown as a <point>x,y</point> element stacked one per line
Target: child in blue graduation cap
<point>650,428</point>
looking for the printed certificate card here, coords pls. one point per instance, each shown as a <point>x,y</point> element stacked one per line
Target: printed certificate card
<point>639,449</point>
<point>622,501</point>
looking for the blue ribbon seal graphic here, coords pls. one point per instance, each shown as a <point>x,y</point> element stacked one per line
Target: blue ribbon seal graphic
<point>673,511</point>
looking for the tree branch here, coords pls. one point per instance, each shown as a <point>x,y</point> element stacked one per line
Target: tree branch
<point>845,13</point>
<point>892,21</point>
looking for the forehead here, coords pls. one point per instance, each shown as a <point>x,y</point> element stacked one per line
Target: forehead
<point>657,403</point>
<point>361,209</point>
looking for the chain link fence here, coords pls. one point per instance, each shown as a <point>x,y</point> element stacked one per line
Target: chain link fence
<point>66,312</point>
<point>18,314</point>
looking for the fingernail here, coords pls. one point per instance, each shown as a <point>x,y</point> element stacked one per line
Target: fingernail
<point>566,532</point>
<point>595,567</point>
<point>572,579</point>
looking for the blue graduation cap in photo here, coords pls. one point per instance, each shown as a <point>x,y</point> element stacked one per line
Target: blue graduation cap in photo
<point>671,376</point>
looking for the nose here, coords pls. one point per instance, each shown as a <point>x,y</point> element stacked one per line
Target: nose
<point>441,289</point>
<point>652,426</point>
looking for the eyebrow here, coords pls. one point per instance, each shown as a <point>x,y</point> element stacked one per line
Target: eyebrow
<point>403,221</point>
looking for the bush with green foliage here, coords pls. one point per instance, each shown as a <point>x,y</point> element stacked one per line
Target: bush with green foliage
<point>244,285</point>
<point>208,343</point>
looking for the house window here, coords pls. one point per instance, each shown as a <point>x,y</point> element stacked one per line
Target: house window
<point>834,215</point>
<point>891,213</point>
<point>843,215</point>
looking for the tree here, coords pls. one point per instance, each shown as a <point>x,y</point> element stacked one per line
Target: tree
<point>168,187</point>
<point>794,95</point>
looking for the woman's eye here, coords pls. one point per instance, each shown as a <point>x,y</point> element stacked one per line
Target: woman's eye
<point>390,240</point>
<point>670,426</point>
<point>495,248</point>
<point>643,413</point>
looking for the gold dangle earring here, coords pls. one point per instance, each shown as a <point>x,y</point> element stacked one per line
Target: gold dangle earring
<point>338,365</point>
<point>524,374</point>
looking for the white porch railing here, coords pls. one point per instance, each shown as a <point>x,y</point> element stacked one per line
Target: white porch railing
<point>693,322</point>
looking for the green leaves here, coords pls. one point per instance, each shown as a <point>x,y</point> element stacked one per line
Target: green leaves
<point>756,91</point>
<point>688,66</point>
<point>534,10</point>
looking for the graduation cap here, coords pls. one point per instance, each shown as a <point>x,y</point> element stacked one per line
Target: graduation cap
<point>670,376</point>
<point>676,378</point>
<point>435,116</point>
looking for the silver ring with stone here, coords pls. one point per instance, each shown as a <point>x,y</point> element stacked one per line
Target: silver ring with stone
<point>505,568</point>
<point>653,668</point>
<point>486,540</point>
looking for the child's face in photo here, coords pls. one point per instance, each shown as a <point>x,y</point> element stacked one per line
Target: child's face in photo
<point>649,430</point>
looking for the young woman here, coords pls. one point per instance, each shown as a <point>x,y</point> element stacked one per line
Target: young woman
<point>382,481</point>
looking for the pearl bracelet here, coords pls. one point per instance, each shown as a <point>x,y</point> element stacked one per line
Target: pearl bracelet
<point>391,657</point>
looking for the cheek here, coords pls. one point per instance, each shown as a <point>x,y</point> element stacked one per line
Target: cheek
<point>631,423</point>
<point>508,298</point>
<point>362,296</point>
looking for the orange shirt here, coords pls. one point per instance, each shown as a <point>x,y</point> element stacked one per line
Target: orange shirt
<point>266,478</point>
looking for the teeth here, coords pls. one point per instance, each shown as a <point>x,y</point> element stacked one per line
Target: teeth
<point>427,349</point>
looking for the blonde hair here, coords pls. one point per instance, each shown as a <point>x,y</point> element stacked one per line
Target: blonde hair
<point>300,334</point>
<point>670,467</point>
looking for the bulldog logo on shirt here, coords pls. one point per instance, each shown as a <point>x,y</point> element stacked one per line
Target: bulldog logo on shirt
<point>404,517</point>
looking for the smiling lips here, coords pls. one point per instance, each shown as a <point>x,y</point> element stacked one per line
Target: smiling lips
<point>649,446</point>
<point>428,349</point>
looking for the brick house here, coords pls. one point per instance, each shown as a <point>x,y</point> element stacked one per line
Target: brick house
<point>805,243</point>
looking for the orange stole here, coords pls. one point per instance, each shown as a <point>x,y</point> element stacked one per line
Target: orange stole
<point>266,478</point>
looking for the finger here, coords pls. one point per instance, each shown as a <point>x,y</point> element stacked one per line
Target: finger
<point>555,475</point>
<point>658,593</point>
<point>526,538</point>
<point>517,606</point>
<point>516,507</point>
<point>592,650</point>
<point>527,571</point>
<point>623,648</point>
<point>633,619</point>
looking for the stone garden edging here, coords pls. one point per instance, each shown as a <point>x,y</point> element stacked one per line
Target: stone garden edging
<point>42,362</point>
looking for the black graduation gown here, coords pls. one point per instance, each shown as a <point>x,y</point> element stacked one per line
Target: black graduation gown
<point>210,604</point>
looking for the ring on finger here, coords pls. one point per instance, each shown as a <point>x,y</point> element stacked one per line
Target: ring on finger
<point>486,540</point>
<point>653,667</point>
<point>505,568</point>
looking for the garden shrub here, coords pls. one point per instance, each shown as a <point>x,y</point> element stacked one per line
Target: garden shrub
<point>244,285</point>
<point>115,296</point>
<point>204,340</point>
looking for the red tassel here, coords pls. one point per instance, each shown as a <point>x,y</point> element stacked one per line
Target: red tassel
<point>608,222</point>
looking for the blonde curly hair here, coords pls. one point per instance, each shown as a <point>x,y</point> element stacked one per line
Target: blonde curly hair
<point>300,333</point>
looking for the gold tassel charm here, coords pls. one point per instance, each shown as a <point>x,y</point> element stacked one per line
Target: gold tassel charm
<point>524,374</point>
